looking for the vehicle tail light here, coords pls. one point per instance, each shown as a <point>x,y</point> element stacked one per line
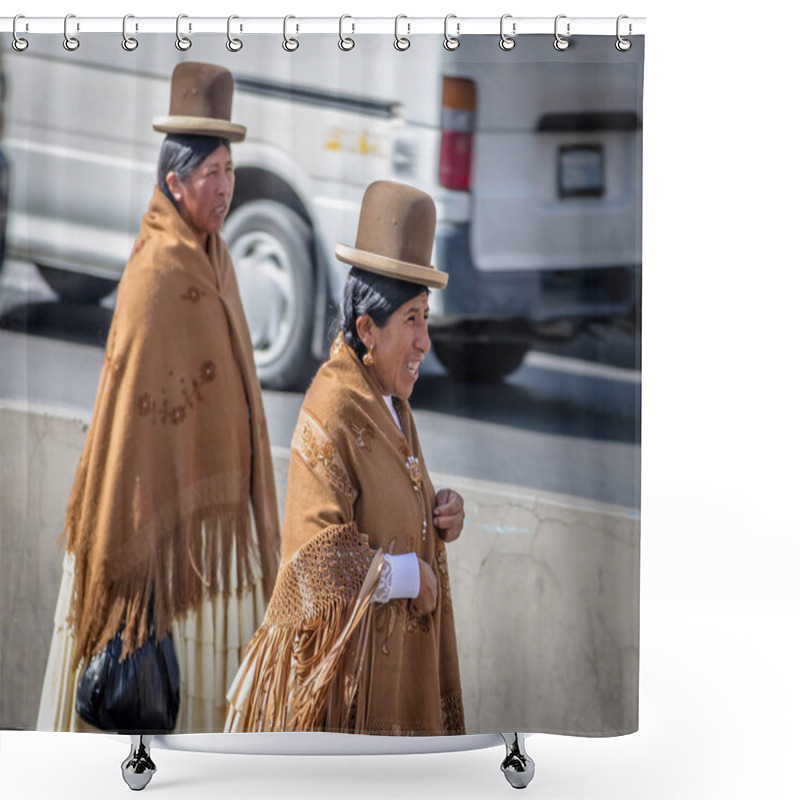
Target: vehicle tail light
<point>458,130</point>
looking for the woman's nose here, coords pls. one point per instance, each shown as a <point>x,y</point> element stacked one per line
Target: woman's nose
<point>423,339</point>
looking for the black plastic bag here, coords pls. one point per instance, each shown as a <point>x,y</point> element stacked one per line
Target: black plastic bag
<point>137,695</point>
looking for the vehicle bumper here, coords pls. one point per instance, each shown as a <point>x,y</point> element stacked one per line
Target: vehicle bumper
<point>538,298</point>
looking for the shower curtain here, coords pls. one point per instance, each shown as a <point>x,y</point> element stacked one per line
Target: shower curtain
<point>527,405</point>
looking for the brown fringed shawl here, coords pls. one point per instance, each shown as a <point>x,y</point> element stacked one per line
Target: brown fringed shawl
<point>326,658</point>
<point>160,507</point>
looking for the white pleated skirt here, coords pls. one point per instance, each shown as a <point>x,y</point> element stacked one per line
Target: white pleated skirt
<point>210,642</point>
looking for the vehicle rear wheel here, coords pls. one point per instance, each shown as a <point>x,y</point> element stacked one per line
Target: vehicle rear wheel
<point>75,287</point>
<point>271,250</point>
<point>478,361</point>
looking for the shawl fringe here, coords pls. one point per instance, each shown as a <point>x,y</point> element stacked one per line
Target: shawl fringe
<point>289,669</point>
<point>210,551</point>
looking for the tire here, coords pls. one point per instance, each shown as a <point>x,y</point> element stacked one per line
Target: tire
<point>75,287</point>
<point>271,250</point>
<point>478,361</point>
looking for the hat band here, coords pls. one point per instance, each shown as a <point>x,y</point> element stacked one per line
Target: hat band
<point>200,126</point>
<point>392,267</point>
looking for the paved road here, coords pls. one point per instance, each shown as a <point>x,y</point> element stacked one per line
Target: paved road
<point>558,424</point>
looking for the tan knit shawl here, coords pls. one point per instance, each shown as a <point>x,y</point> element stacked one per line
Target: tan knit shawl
<point>160,507</point>
<point>326,658</point>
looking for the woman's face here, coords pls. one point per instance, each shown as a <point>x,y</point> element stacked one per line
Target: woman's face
<point>205,197</point>
<point>399,346</point>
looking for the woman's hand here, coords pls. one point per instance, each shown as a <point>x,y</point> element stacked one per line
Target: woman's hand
<point>425,601</point>
<point>448,516</point>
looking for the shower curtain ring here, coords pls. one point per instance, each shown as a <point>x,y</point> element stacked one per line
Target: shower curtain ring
<point>19,44</point>
<point>507,42</point>
<point>290,44</point>
<point>182,42</point>
<point>70,42</point>
<point>560,42</point>
<point>233,44</point>
<point>451,42</point>
<point>401,42</point>
<point>345,42</point>
<point>129,43</point>
<point>623,44</point>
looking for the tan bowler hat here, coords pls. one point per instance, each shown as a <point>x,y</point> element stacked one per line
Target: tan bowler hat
<point>200,102</point>
<point>395,235</point>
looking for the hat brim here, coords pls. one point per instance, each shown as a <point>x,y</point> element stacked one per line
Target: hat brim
<point>391,267</point>
<point>200,126</point>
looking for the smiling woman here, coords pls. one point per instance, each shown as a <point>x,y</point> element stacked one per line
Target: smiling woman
<point>394,339</point>
<point>359,635</point>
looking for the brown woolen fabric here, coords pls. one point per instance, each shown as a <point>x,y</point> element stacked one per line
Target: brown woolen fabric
<point>351,493</point>
<point>160,507</point>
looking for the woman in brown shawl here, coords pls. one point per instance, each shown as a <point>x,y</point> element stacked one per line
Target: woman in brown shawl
<point>172,521</point>
<point>359,634</point>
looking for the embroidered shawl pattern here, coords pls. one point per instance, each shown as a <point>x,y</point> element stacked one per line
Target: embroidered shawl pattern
<point>160,507</point>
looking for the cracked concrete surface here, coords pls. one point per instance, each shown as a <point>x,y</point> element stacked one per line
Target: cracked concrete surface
<point>545,590</point>
<point>546,596</point>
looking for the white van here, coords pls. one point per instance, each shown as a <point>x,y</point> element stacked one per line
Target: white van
<point>533,157</point>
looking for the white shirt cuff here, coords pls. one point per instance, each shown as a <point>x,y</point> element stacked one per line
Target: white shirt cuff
<point>400,578</point>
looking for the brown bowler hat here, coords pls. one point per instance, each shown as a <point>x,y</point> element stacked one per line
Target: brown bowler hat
<point>200,102</point>
<point>395,235</point>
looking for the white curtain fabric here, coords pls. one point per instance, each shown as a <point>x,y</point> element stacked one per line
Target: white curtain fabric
<point>533,157</point>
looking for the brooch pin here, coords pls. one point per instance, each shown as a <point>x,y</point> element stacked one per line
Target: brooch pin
<point>414,471</point>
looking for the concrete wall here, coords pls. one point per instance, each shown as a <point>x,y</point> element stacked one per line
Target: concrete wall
<point>545,590</point>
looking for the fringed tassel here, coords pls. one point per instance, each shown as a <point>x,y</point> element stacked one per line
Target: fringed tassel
<point>311,698</point>
<point>285,678</point>
<point>209,552</point>
<point>258,698</point>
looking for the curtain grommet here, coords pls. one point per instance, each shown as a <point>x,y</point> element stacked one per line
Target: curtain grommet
<point>451,42</point>
<point>401,43</point>
<point>560,42</point>
<point>507,42</point>
<point>233,44</point>
<point>183,43</point>
<point>18,42</point>
<point>71,43</point>
<point>129,43</point>
<point>289,44</point>
<point>346,43</point>
<point>622,44</point>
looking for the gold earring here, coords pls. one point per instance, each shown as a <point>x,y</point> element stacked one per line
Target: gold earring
<point>368,358</point>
